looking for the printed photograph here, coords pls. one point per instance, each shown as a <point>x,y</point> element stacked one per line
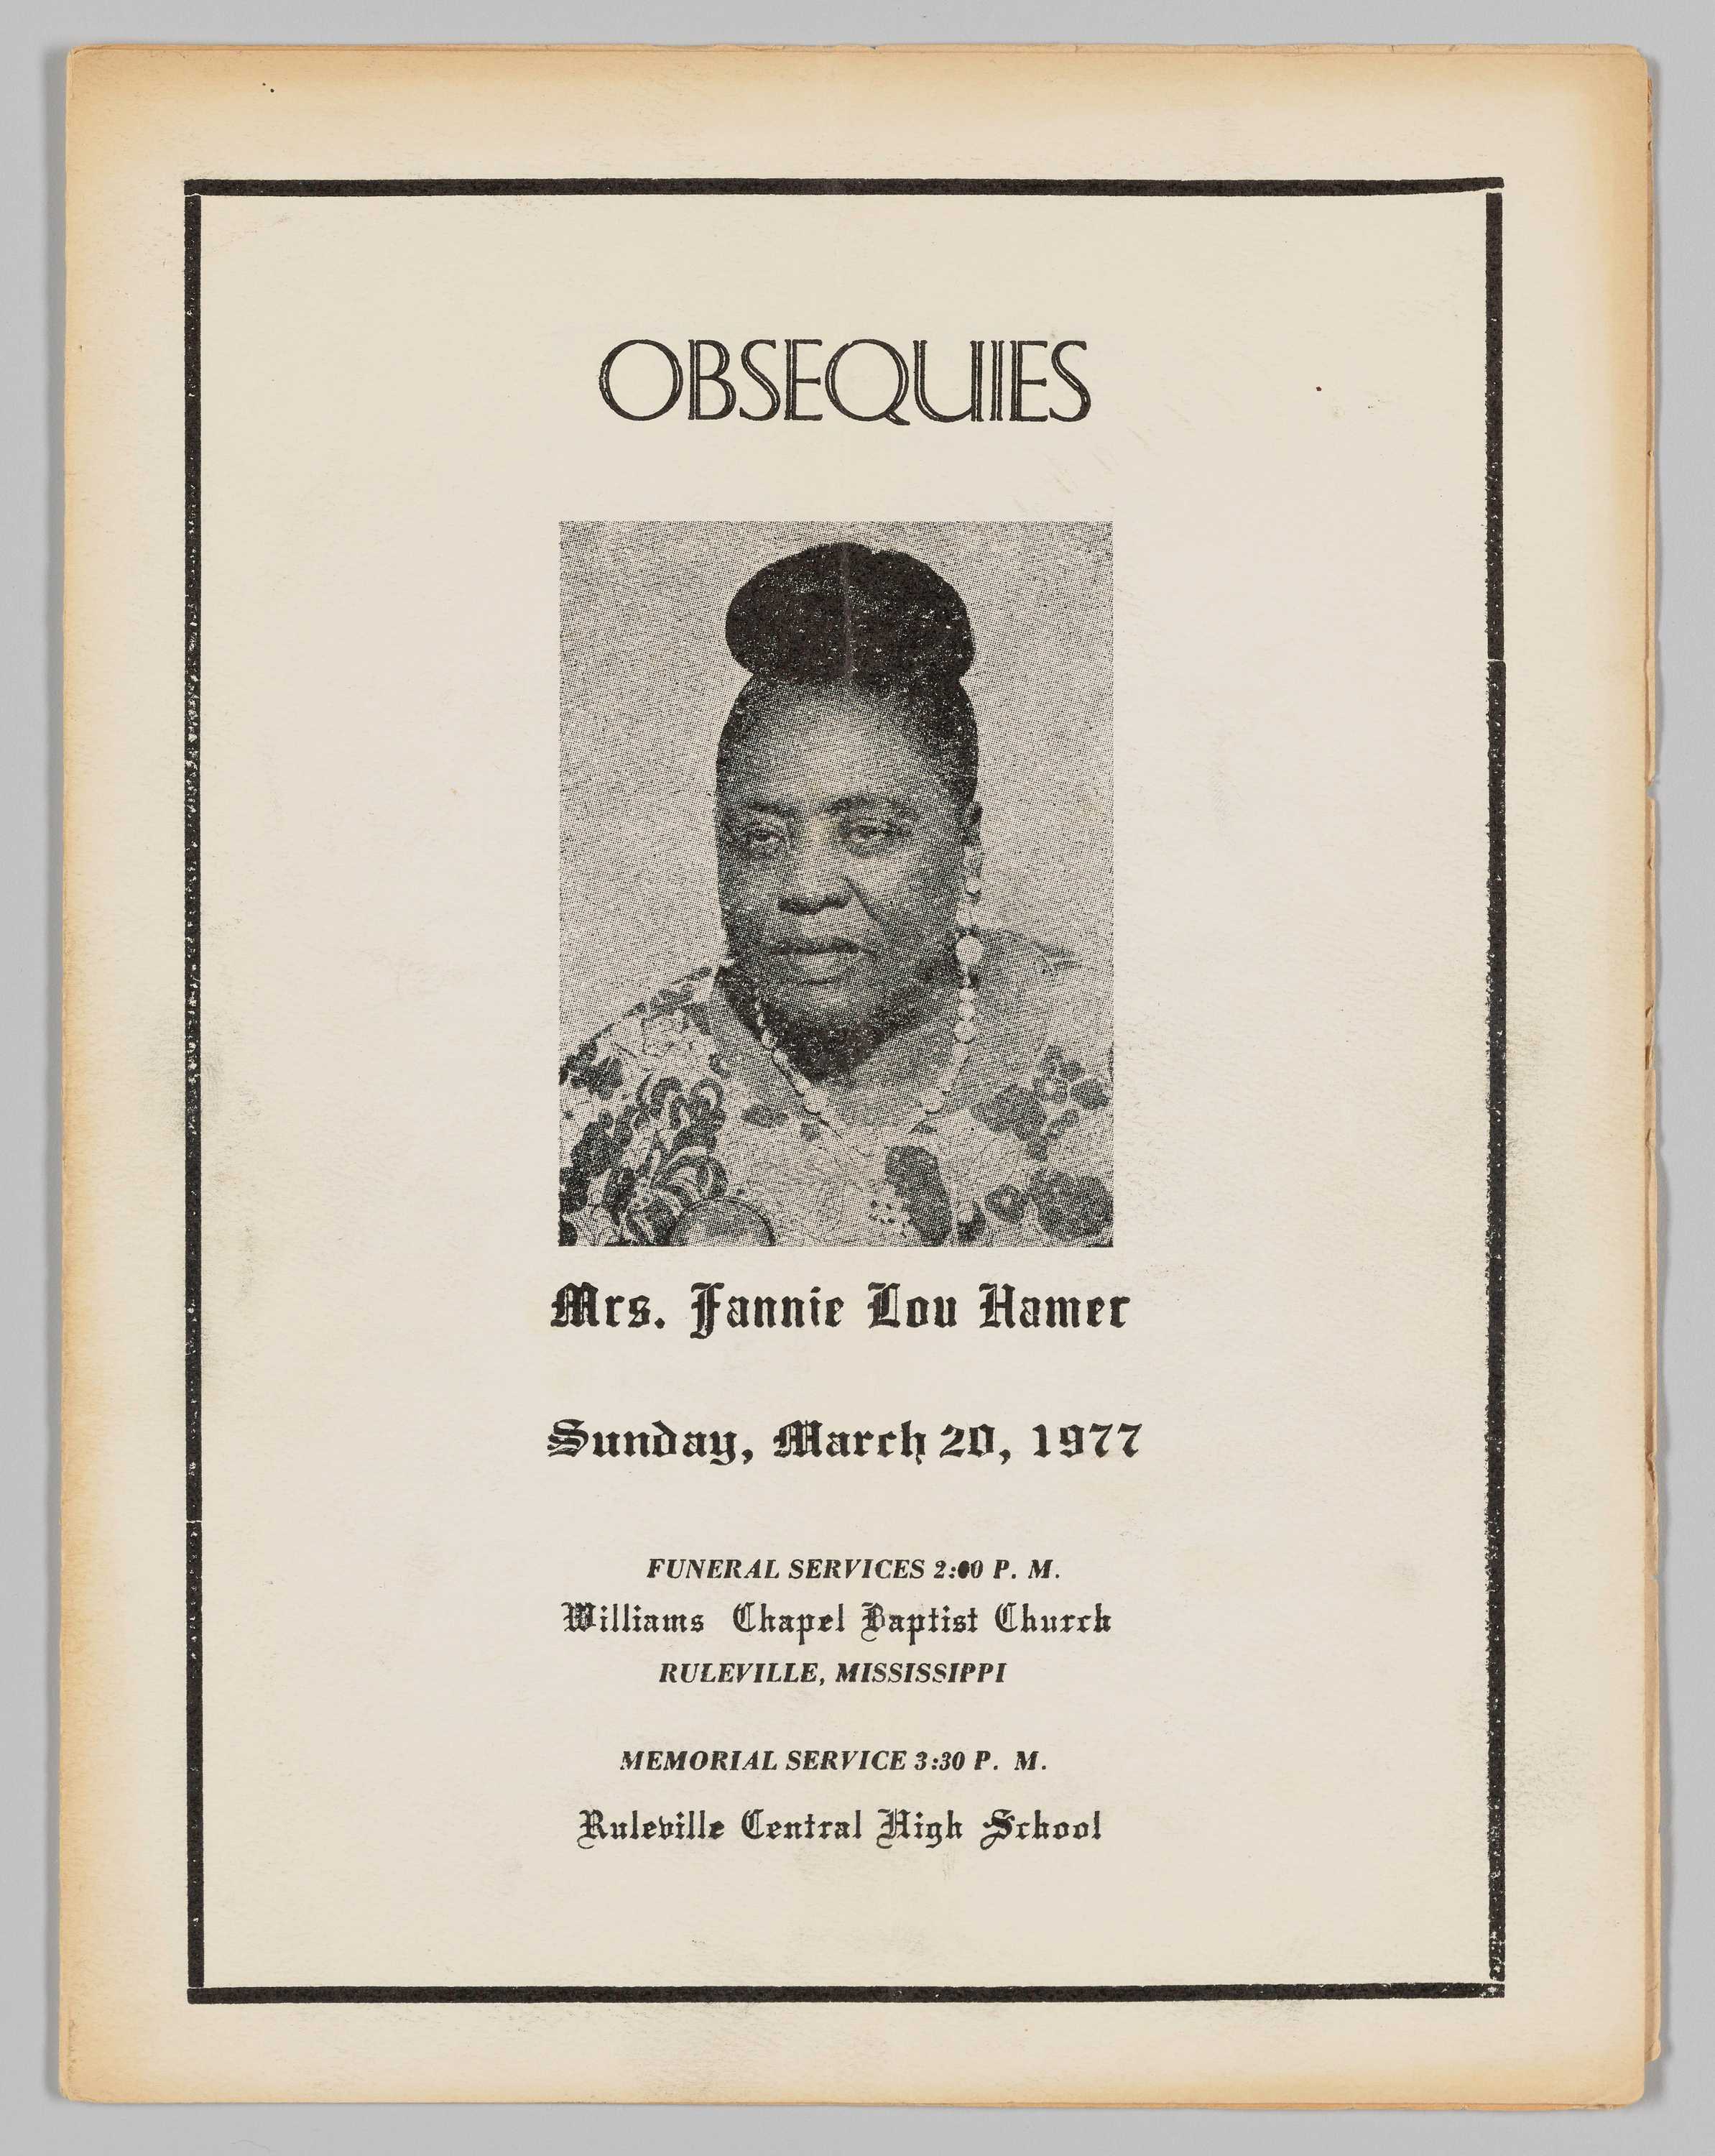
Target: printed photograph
<point>837,883</point>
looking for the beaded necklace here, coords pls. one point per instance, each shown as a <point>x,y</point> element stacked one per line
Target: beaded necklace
<point>933,1098</point>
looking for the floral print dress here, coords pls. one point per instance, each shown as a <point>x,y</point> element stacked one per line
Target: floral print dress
<point>675,1124</point>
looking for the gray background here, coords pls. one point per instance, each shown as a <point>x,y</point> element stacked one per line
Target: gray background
<point>647,679</point>
<point>1678,37</point>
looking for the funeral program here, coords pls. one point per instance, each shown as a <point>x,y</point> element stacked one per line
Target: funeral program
<point>859,1201</point>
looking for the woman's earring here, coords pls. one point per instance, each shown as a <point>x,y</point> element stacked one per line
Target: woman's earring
<point>968,949</point>
<point>966,915</point>
<point>724,958</point>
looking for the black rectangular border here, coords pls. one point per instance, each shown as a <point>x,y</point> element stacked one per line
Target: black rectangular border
<point>1495,1231</point>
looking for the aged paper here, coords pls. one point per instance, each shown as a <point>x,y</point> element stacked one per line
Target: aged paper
<point>858,1203</point>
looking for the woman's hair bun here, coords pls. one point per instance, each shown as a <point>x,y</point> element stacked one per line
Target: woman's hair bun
<point>847,612</point>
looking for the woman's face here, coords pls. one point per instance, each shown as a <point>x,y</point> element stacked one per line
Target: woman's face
<point>841,863</point>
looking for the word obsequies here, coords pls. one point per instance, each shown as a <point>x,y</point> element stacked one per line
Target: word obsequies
<point>865,378</point>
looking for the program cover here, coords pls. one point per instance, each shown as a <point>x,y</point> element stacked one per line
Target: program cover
<point>858,1205</point>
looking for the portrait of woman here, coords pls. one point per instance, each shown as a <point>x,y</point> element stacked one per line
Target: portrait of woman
<point>870,1060</point>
